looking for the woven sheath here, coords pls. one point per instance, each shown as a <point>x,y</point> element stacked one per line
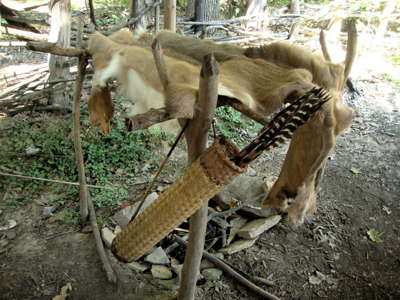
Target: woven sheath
<point>202,180</point>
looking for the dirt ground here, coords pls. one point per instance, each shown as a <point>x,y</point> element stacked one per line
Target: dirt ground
<point>329,257</point>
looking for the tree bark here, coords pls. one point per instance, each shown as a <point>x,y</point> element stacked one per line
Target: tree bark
<point>295,7</point>
<point>255,9</point>
<point>60,33</point>
<point>388,8</point>
<point>170,15</point>
<point>135,7</point>
<point>205,10</point>
<point>190,9</point>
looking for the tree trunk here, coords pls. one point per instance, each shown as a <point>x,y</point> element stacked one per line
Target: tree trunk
<point>295,7</point>
<point>170,15</point>
<point>135,6</point>
<point>190,9</point>
<point>255,10</point>
<point>60,33</point>
<point>205,10</point>
<point>388,8</point>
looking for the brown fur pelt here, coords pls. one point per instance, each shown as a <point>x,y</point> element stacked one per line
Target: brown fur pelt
<point>243,79</point>
<point>101,108</point>
<point>262,81</point>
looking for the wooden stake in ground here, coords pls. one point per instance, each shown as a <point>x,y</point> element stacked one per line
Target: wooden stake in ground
<point>86,202</point>
<point>196,138</point>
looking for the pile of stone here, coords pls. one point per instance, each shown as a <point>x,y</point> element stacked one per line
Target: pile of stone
<point>228,231</point>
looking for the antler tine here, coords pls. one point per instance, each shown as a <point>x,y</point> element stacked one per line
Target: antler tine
<point>324,48</point>
<point>351,47</point>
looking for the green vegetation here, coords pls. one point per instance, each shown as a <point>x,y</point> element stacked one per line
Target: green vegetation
<point>112,160</point>
<point>231,124</point>
<point>107,158</point>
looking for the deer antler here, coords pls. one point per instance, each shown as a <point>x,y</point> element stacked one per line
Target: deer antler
<point>351,47</point>
<point>324,48</point>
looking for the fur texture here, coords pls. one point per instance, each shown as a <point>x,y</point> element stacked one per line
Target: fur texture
<point>260,78</point>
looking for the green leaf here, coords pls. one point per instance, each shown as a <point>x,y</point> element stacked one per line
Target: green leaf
<point>375,236</point>
<point>355,170</point>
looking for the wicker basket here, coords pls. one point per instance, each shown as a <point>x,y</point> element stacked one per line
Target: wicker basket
<point>202,180</point>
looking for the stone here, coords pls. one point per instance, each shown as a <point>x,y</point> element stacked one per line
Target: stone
<point>138,266</point>
<point>235,224</point>
<point>177,268</point>
<point>256,227</point>
<point>87,229</point>
<point>243,188</point>
<point>206,264</point>
<point>212,274</point>
<point>123,217</point>
<point>238,246</point>
<point>31,150</point>
<point>161,272</point>
<point>11,235</point>
<point>10,224</point>
<point>48,210</point>
<point>108,236</point>
<point>170,284</point>
<point>158,257</point>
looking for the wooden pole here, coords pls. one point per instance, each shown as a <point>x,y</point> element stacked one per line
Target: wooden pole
<point>196,138</point>
<point>170,15</point>
<point>86,205</point>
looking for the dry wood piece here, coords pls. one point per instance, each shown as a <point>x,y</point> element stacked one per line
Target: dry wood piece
<point>23,34</point>
<point>54,49</point>
<point>147,119</point>
<point>231,272</point>
<point>135,19</point>
<point>86,203</point>
<point>196,137</point>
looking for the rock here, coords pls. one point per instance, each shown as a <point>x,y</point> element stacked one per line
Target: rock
<point>237,246</point>
<point>177,269</point>
<point>117,229</point>
<point>123,217</point>
<point>256,227</point>
<point>31,150</point>
<point>3,243</point>
<point>317,278</point>
<point>206,264</point>
<point>108,236</point>
<point>243,188</point>
<point>158,257</point>
<point>138,266</point>
<point>48,211</point>
<point>251,172</point>
<point>11,235</point>
<point>87,229</point>
<point>161,272</point>
<point>10,224</point>
<point>170,284</point>
<point>212,274</point>
<point>235,224</point>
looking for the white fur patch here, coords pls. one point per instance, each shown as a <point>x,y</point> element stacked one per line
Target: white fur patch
<point>245,98</point>
<point>144,98</point>
<point>101,77</point>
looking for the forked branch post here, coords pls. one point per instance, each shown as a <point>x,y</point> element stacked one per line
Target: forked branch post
<point>196,138</point>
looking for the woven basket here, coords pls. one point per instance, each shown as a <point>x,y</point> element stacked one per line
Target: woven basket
<point>202,180</point>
